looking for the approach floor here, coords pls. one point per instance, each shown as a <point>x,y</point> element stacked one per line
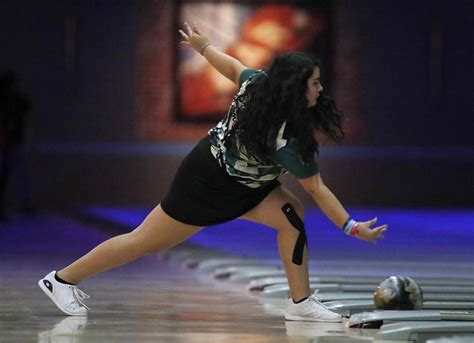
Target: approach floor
<point>160,300</point>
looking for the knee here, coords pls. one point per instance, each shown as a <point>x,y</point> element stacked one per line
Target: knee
<point>297,206</point>
<point>139,241</point>
<point>292,217</point>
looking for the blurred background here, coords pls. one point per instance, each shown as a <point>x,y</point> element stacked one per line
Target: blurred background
<point>108,103</point>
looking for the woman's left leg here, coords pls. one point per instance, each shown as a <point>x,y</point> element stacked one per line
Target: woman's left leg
<point>282,211</point>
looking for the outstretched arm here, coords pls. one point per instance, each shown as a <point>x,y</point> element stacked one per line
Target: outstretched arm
<point>228,66</point>
<point>333,209</point>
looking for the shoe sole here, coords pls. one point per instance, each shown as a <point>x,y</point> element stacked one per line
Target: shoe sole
<point>306,319</point>
<point>50,295</point>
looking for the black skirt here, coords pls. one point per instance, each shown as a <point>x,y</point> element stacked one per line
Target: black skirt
<point>202,193</point>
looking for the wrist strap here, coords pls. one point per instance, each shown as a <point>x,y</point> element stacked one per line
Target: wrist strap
<point>351,227</point>
<point>204,47</point>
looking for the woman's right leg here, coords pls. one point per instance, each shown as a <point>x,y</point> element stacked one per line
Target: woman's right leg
<point>157,232</point>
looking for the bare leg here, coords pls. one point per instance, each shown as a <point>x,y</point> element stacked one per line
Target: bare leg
<point>157,232</point>
<point>269,213</point>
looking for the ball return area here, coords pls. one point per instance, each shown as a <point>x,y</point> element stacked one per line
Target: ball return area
<point>448,305</point>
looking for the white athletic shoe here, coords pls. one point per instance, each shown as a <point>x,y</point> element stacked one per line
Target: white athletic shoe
<point>311,310</point>
<point>67,298</point>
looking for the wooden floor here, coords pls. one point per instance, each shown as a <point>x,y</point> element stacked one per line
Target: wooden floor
<point>158,300</point>
<point>145,301</point>
<point>150,300</point>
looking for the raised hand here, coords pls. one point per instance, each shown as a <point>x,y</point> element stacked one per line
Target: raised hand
<point>194,38</point>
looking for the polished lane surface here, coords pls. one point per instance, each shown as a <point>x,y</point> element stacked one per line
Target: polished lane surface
<point>149,300</point>
<point>152,300</point>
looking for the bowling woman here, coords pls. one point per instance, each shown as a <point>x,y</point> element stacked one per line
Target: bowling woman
<point>233,173</point>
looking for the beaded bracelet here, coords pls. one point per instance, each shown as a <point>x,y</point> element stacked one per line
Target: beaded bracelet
<point>205,46</point>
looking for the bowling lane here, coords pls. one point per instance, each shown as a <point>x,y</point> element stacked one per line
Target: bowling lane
<point>423,244</point>
<point>149,300</point>
<point>433,240</point>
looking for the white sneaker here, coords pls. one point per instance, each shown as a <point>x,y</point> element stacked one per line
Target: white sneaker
<point>67,298</point>
<point>311,310</point>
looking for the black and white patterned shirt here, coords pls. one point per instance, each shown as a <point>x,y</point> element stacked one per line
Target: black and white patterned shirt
<point>241,166</point>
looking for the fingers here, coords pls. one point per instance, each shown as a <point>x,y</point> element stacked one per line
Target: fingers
<point>374,234</point>
<point>185,36</point>
<point>373,221</point>
<point>379,232</point>
<point>189,32</point>
<point>188,28</point>
<point>195,28</point>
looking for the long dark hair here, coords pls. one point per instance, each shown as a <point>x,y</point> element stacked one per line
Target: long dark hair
<point>280,96</point>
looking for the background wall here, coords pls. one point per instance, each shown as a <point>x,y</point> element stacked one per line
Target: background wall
<point>420,66</point>
<point>406,66</point>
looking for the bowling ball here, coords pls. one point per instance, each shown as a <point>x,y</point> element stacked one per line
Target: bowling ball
<point>398,293</point>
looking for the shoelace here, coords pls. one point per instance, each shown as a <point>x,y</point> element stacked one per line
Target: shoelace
<point>314,297</point>
<point>80,296</point>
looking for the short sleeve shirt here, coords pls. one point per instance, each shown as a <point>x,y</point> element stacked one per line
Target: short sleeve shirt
<point>243,167</point>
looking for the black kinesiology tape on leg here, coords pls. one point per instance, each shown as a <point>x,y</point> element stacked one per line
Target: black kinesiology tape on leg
<point>298,224</point>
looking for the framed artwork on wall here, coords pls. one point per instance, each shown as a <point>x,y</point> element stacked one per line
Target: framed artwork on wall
<point>179,95</point>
